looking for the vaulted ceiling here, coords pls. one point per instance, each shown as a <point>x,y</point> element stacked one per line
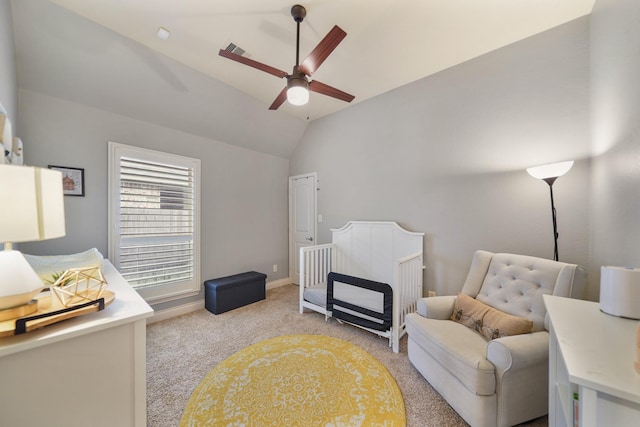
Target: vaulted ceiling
<point>389,43</point>
<point>104,54</point>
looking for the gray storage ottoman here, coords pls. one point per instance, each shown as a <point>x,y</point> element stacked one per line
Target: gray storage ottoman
<point>226,293</point>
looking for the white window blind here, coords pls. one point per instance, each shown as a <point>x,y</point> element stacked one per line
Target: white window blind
<point>154,210</point>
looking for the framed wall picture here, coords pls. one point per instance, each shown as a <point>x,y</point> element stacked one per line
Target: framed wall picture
<point>72,180</point>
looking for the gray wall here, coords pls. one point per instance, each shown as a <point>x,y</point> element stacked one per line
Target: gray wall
<point>82,85</point>
<point>244,193</point>
<point>66,56</point>
<point>8,73</point>
<point>446,155</point>
<point>615,128</point>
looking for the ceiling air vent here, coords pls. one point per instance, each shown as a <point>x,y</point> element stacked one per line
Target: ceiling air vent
<point>233,48</point>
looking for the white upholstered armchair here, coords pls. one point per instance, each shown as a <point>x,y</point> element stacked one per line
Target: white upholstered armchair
<point>486,350</point>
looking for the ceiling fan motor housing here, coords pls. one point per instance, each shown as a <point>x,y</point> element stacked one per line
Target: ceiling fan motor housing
<point>298,12</point>
<point>298,75</point>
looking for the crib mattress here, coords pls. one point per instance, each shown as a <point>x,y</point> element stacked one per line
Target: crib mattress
<point>316,295</point>
<point>358,296</point>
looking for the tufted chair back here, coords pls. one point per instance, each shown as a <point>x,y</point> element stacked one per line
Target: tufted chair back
<point>514,284</point>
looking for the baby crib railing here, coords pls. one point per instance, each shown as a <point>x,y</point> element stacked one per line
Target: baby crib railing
<point>315,265</point>
<point>407,290</point>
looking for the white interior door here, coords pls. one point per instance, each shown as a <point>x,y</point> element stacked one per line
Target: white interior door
<point>302,218</point>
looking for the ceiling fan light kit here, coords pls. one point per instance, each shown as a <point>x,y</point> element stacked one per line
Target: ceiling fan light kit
<point>298,86</point>
<point>298,91</point>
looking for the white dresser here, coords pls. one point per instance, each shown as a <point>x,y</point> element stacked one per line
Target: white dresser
<point>592,354</point>
<point>86,371</point>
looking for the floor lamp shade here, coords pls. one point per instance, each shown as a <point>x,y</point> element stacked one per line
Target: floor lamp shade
<point>553,170</point>
<point>32,209</point>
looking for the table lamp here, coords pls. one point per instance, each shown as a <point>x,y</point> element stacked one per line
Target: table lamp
<point>549,173</point>
<point>32,209</point>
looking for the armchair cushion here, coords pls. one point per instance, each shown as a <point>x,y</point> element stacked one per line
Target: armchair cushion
<point>488,321</point>
<point>459,350</point>
<point>496,324</point>
<point>469,312</point>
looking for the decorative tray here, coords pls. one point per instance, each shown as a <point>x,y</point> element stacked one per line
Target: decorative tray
<point>51,310</point>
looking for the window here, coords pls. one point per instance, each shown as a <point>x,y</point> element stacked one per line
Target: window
<point>154,217</point>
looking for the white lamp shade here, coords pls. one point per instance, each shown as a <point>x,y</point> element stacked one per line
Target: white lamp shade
<point>552,170</point>
<point>297,95</point>
<point>33,205</point>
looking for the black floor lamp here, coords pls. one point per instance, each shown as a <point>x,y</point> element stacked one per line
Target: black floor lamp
<point>549,174</point>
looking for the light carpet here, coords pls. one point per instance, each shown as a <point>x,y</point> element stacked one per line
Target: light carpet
<point>181,351</point>
<point>297,380</point>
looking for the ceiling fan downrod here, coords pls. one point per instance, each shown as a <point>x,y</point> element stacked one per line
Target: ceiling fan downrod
<point>298,12</point>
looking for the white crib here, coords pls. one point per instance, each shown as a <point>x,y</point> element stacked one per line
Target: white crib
<point>381,251</point>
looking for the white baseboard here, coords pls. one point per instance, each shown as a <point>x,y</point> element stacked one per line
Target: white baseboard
<point>279,282</point>
<point>199,305</point>
<point>179,310</point>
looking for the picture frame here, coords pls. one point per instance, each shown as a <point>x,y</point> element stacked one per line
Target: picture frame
<point>72,180</point>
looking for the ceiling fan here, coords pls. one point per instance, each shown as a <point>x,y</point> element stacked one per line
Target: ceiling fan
<point>298,86</point>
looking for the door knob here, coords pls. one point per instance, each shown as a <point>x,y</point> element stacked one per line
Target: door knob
<point>309,239</point>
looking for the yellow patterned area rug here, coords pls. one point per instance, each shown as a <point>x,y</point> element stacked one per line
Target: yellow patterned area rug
<point>297,380</point>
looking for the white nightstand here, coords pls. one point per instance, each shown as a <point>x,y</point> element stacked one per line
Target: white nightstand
<point>85,371</point>
<point>592,354</point>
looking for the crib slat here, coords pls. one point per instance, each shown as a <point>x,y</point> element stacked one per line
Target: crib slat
<point>315,265</point>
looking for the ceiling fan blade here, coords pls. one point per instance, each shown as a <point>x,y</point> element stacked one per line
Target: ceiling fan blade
<point>282,96</point>
<point>318,87</point>
<point>250,62</point>
<point>322,50</point>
